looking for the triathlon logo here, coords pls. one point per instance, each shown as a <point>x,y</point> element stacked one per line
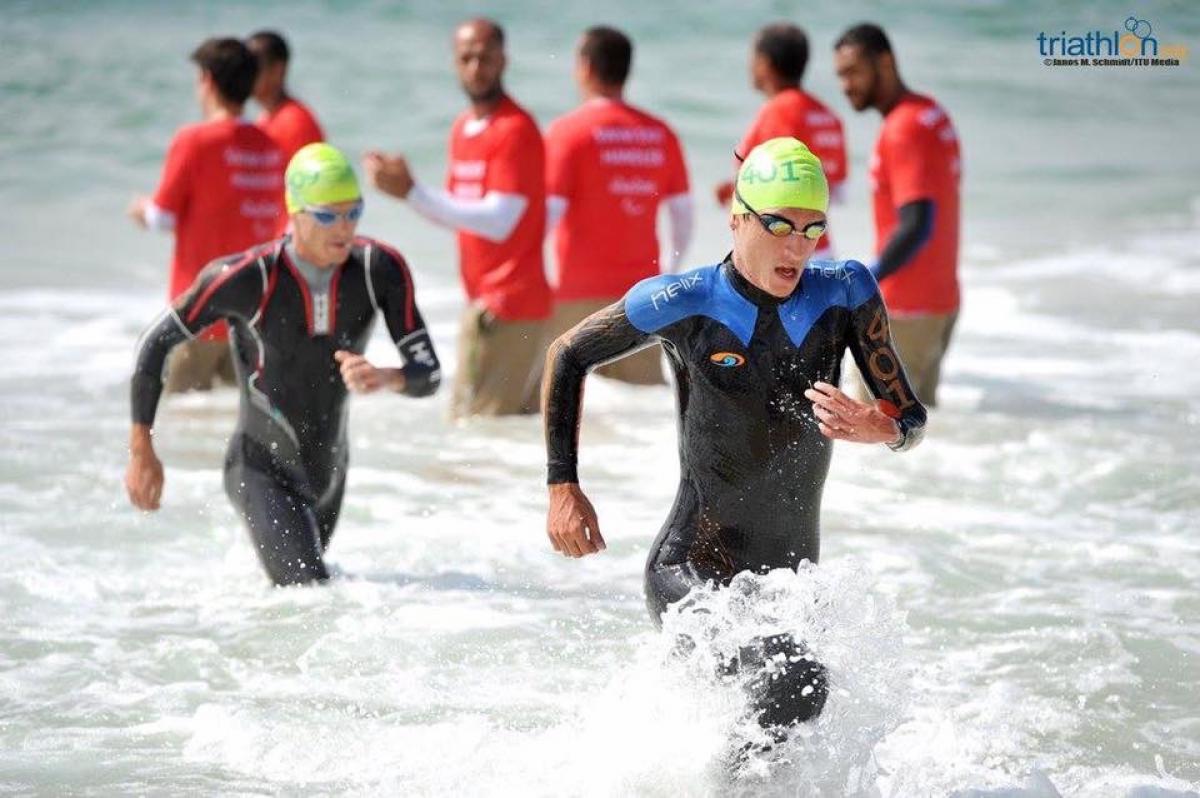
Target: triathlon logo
<point>1133,46</point>
<point>727,359</point>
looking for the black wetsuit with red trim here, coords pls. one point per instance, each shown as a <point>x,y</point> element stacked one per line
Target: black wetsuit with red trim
<point>752,459</point>
<point>286,465</point>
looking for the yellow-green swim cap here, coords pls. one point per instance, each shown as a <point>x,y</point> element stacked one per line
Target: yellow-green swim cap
<point>781,173</point>
<point>319,174</point>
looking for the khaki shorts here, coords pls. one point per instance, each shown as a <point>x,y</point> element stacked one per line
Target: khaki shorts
<point>921,342</point>
<point>198,365</point>
<point>499,363</point>
<point>640,368</point>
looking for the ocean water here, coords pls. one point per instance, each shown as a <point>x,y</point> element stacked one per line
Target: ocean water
<point>1010,610</point>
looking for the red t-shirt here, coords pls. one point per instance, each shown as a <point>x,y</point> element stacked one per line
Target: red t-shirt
<point>223,181</point>
<point>917,158</point>
<point>614,164</point>
<point>503,153</point>
<point>796,113</point>
<point>292,125</point>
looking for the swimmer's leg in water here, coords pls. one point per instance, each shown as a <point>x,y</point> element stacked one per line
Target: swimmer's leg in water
<point>329,507</point>
<point>788,686</point>
<point>282,524</point>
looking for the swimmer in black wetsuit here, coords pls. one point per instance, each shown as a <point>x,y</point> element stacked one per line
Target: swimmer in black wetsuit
<point>300,312</point>
<point>756,344</point>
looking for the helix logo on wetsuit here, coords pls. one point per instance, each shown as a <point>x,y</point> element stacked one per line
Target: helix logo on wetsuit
<point>727,359</point>
<point>665,295</point>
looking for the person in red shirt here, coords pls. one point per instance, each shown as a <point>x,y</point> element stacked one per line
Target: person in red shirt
<point>609,166</point>
<point>495,198</point>
<point>284,118</point>
<point>777,65</point>
<point>915,176</point>
<point>221,192</point>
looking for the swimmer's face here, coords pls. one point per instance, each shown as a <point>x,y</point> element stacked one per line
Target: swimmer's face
<point>858,74</point>
<point>479,60</point>
<point>772,263</point>
<point>326,244</point>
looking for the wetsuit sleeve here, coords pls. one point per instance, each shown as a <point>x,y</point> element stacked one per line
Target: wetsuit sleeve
<point>871,345</point>
<point>396,298</point>
<point>604,336</point>
<point>912,231</point>
<point>224,289</point>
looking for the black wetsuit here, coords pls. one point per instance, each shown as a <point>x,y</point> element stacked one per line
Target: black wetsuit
<point>752,459</point>
<point>285,469</point>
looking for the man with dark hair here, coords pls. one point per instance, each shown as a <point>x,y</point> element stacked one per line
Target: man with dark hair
<point>495,198</point>
<point>777,63</point>
<point>284,118</point>
<point>221,191</point>
<point>915,175</point>
<point>609,167</point>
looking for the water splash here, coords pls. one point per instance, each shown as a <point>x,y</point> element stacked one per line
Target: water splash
<point>677,721</point>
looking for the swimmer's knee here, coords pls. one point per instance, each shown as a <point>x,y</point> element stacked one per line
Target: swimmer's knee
<point>288,561</point>
<point>791,686</point>
<point>301,571</point>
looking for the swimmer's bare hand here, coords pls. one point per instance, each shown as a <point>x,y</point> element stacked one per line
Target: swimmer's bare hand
<point>571,522</point>
<point>144,474</point>
<point>361,377</point>
<point>845,419</point>
<point>388,173</point>
<point>137,211</point>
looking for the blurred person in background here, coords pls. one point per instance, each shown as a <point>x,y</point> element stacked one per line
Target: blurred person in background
<point>778,60</point>
<point>495,198</point>
<point>288,121</point>
<point>916,170</point>
<point>609,167</point>
<point>220,192</point>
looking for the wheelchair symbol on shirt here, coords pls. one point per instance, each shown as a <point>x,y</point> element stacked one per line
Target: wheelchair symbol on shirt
<point>632,207</point>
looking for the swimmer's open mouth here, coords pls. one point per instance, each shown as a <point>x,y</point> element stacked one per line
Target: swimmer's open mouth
<point>787,272</point>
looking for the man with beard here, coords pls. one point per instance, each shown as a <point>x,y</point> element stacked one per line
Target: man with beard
<point>495,198</point>
<point>915,175</point>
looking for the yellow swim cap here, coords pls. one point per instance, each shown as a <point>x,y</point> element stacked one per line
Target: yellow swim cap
<point>781,173</point>
<point>319,174</point>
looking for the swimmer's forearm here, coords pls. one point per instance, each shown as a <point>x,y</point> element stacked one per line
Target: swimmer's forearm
<point>141,440</point>
<point>144,392</point>
<point>562,399</point>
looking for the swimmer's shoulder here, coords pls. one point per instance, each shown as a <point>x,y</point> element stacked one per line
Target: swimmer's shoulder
<point>847,283</point>
<point>660,301</point>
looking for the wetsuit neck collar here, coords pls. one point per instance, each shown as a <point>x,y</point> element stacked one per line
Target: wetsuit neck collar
<point>750,291</point>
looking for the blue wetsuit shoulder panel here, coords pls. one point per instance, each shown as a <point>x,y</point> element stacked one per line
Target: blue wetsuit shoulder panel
<point>660,301</point>
<point>825,284</point>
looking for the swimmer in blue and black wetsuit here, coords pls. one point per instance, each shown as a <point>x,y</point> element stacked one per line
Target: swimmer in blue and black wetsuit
<point>300,311</point>
<point>756,345</point>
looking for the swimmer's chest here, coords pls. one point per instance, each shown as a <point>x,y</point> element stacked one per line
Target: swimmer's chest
<point>784,356</point>
<point>303,324</point>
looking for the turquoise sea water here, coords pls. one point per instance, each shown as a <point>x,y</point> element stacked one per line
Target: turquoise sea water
<point>1028,575</point>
